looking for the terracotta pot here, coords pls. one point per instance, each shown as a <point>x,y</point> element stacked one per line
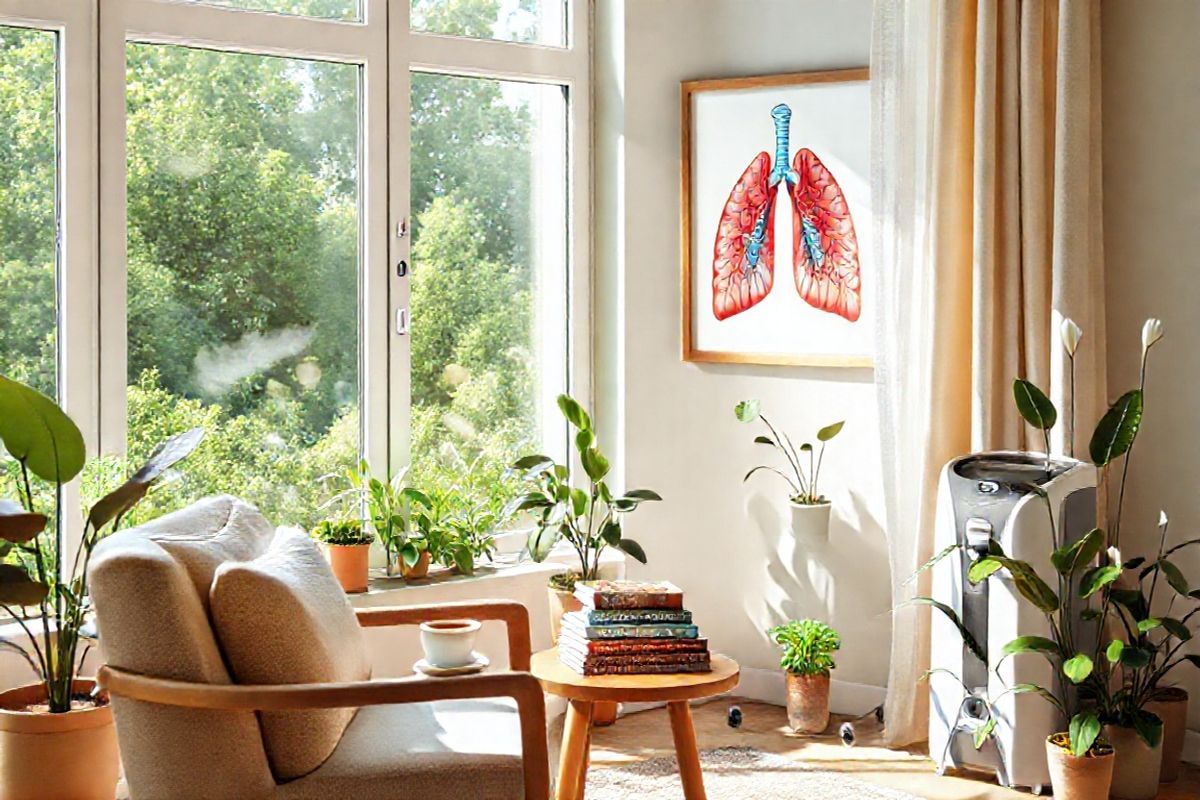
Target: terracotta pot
<point>71,756</point>
<point>1085,777</point>
<point>808,702</point>
<point>417,570</point>
<point>560,603</point>
<point>811,521</point>
<point>349,565</point>
<point>1136,767</point>
<point>1170,704</point>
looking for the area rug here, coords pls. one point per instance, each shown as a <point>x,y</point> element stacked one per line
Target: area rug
<point>733,773</point>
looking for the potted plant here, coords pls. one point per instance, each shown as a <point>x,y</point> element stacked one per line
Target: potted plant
<point>348,548</point>
<point>587,518</point>
<point>57,735</point>
<point>808,647</point>
<point>391,507</point>
<point>810,508</point>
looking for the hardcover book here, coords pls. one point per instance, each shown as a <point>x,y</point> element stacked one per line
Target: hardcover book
<point>639,616</point>
<point>575,622</point>
<point>568,641</point>
<point>628,594</point>
<point>642,669</point>
<point>575,660</point>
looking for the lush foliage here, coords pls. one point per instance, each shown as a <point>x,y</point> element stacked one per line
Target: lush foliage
<point>343,532</point>
<point>802,482</point>
<point>46,445</point>
<point>588,519</point>
<point>1118,675</point>
<point>390,505</point>
<point>243,261</point>
<point>808,646</point>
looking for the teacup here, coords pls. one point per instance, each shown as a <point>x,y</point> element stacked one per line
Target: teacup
<point>449,643</point>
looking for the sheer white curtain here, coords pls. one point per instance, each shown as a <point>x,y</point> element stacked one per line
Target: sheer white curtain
<point>986,189</point>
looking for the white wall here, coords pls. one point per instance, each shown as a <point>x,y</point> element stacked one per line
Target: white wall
<point>671,424</point>
<point>1151,116</point>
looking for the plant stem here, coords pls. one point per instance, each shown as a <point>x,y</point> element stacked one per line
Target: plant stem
<point>1071,416</point>
<point>779,444</point>
<point>1129,454</point>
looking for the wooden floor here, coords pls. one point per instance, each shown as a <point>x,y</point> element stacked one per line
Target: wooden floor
<point>648,735</point>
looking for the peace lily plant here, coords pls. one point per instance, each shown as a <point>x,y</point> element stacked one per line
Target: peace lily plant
<point>802,481</point>
<point>1105,638</point>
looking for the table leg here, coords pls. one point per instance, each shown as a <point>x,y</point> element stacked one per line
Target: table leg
<point>572,761</point>
<point>685,750</point>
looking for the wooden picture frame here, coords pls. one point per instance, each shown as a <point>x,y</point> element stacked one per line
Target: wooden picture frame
<point>692,349</point>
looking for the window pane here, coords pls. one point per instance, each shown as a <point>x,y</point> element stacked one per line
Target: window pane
<point>528,21</point>
<point>243,299</point>
<point>489,284</point>
<point>28,218</point>
<point>328,9</point>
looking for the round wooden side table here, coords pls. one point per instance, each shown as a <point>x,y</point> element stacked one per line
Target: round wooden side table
<point>675,690</point>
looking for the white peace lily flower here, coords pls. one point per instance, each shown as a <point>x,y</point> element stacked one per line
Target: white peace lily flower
<point>1071,334</point>
<point>1152,331</point>
<point>1114,556</point>
<point>1162,519</point>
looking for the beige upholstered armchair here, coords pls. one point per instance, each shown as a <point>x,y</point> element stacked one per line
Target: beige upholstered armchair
<point>191,605</point>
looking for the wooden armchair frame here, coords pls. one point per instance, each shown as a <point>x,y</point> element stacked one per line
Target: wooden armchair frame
<point>517,683</point>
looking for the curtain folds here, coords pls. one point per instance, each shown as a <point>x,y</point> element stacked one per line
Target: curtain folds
<point>986,188</point>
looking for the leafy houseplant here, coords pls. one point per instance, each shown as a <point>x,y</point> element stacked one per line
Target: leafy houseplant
<point>391,506</point>
<point>810,508</point>
<point>348,546</point>
<point>808,647</point>
<point>46,445</point>
<point>587,518</point>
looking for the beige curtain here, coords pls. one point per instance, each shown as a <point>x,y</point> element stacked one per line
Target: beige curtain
<point>987,189</point>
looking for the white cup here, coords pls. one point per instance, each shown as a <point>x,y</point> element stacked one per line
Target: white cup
<point>449,643</point>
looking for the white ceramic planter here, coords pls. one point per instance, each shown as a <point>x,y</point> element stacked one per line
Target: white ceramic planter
<point>1136,768</point>
<point>811,522</point>
<point>450,643</point>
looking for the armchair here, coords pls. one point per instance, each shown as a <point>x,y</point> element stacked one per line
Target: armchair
<point>186,730</point>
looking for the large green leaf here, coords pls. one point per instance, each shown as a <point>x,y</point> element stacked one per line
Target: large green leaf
<point>18,525</point>
<point>1135,657</point>
<point>165,456</point>
<point>643,494</point>
<point>983,569</point>
<point>633,549</point>
<point>1131,599</point>
<point>1029,644</point>
<point>1097,578</point>
<point>1083,731</point>
<point>1176,629</point>
<point>1074,556</point>
<point>18,589</point>
<point>951,615</point>
<point>542,541</point>
<point>611,533</point>
<point>931,563</point>
<point>1034,406</point>
<point>1174,576</point>
<point>1026,579</point>
<point>594,463</point>
<point>36,431</point>
<point>830,431</point>
<point>1149,727</point>
<point>1147,625</point>
<point>574,412</point>
<point>1114,650</point>
<point>983,732</point>
<point>1078,667</point>
<point>1117,429</point>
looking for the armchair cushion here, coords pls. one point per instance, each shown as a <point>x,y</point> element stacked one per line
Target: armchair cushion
<point>449,748</point>
<point>283,618</point>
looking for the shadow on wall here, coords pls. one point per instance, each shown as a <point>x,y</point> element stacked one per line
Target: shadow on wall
<point>843,579</point>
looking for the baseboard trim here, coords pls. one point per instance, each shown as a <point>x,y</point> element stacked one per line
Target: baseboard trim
<point>1191,747</point>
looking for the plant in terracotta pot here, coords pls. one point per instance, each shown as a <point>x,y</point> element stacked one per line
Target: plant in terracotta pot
<point>808,648</point>
<point>56,736</point>
<point>810,508</point>
<point>391,508</point>
<point>348,548</point>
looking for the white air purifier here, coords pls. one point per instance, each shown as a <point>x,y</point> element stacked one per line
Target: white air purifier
<point>989,496</point>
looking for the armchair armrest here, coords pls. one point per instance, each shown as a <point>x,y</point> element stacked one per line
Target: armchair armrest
<point>514,615</point>
<point>521,686</point>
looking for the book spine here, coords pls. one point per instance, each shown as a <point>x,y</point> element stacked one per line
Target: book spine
<point>636,658</point>
<point>642,669</point>
<point>605,601</point>
<point>634,631</point>
<point>568,642</point>
<point>640,616</point>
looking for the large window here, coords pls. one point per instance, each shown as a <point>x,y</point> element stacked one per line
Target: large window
<point>28,207</point>
<point>322,229</point>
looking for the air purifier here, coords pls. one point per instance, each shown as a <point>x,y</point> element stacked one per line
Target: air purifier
<point>982,497</point>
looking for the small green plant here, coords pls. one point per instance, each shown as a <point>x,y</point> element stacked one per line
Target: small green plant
<point>343,532</point>
<point>391,506</point>
<point>564,581</point>
<point>474,526</point>
<point>808,646</point>
<point>589,519</point>
<point>802,482</point>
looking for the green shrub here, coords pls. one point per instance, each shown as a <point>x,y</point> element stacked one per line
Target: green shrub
<point>342,531</point>
<point>807,646</point>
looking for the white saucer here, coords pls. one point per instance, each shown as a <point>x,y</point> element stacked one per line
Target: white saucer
<point>479,665</point>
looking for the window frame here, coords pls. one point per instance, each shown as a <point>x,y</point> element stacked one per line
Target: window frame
<point>92,183</point>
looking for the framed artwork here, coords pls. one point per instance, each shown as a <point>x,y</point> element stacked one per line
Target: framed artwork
<point>776,228</point>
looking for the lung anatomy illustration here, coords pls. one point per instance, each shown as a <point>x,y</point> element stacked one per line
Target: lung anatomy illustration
<point>824,248</point>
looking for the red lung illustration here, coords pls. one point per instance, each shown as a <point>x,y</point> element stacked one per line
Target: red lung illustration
<point>744,253</point>
<point>825,249</point>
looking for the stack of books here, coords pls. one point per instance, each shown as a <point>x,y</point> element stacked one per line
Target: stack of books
<point>631,628</point>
